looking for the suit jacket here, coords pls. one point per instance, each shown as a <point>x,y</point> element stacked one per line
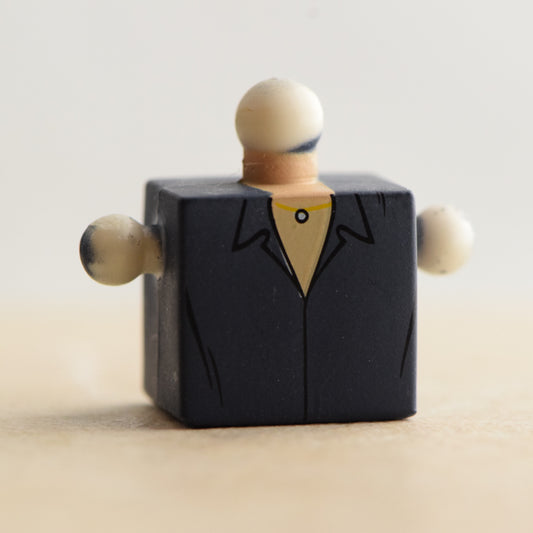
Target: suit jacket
<point>238,343</point>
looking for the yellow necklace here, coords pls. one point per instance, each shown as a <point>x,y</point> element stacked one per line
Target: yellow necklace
<point>302,215</point>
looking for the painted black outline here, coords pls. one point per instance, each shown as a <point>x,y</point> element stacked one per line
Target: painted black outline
<point>236,246</point>
<point>217,377</point>
<point>382,200</point>
<point>196,333</point>
<point>305,212</point>
<point>407,341</point>
<point>368,238</point>
<point>318,271</point>
<point>266,234</point>
<point>306,364</point>
<point>293,276</point>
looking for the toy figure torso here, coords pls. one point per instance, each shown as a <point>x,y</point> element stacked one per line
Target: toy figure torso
<point>240,343</point>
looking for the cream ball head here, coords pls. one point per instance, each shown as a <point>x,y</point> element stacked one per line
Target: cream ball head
<point>278,115</point>
<point>445,239</point>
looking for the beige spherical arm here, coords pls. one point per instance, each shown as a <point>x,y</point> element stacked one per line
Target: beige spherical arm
<point>445,239</point>
<point>116,249</point>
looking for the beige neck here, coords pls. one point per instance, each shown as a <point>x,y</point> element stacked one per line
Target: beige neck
<point>269,168</point>
<point>283,175</point>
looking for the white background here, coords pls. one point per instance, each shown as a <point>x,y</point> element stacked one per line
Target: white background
<point>98,96</point>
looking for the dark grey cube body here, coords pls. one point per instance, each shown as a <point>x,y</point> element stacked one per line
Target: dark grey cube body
<point>231,340</point>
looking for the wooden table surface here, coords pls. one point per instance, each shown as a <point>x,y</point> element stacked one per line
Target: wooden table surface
<point>82,449</point>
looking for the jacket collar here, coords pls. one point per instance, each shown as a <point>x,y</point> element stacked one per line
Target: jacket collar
<point>256,227</point>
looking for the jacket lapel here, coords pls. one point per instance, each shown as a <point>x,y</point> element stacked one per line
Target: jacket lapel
<point>256,227</point>
<point>348,221</point>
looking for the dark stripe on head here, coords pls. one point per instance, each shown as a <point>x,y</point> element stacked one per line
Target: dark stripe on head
<point>307,146</point>
<point>86,249</point>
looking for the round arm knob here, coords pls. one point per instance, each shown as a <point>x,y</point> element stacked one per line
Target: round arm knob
<point>445,239</point>
<point>115,249</point>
